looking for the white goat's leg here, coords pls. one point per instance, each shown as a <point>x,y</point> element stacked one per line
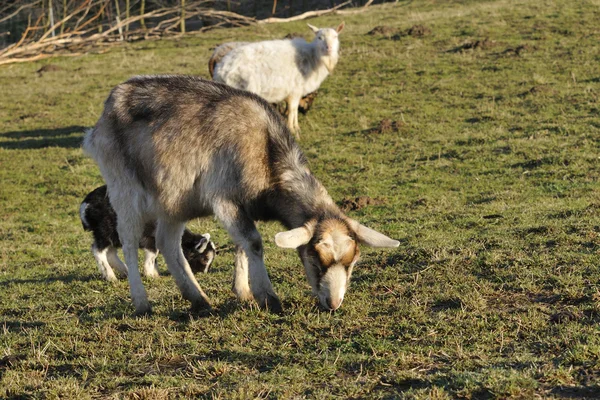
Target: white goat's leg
<point>241,282</point>
<point>243,232</point>
<point>150,264</point>
<point>115,262</point>
<point>168,241</point>
<point>103,264</point>
<point>293,103</point>
<point>130,227</point>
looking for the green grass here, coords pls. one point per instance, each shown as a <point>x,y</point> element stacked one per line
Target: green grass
<point>491,184</point>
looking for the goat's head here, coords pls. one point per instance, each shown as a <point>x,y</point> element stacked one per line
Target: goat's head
<point>199,252</point>
<point>327,39</point>
<point>329,250</point>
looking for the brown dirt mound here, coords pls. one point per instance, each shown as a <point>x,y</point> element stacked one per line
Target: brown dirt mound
<point>348,204</point>
<point>48,68</point>
<point>387,126</point>
<point>519,50</point>
<point>383,30</point>
<point>483,44</point>
<point>418,31</point>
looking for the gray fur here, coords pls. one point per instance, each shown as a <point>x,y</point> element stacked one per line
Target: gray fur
<point>173,148</point>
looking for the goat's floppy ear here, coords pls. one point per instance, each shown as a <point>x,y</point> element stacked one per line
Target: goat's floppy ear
<point>294,238</point>
<point>371,237</point>
<point>340,27</point>
<point>313,28</point>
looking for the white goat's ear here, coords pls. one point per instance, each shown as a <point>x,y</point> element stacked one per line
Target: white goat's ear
<point>340,27</point>
<point>294,238</point>
<point>370,237</point>
<point>202,243</point>
<point>313,28</point>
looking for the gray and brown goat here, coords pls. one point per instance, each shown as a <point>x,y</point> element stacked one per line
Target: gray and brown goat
<point>173,148</point>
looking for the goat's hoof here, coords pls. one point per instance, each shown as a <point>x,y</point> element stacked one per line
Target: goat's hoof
<point>143,311</point>
<point>200,306</point>
<point>272,303</point>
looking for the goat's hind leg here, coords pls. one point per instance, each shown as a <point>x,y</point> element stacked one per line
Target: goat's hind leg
<point>103,262</point>
<point>115,262</point>
<point>130,226</point>
<point>168,240</point>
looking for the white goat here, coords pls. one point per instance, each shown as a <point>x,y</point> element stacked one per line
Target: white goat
<point>282,70</point>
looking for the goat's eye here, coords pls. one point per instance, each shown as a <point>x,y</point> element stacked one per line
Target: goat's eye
<point>320,37</point>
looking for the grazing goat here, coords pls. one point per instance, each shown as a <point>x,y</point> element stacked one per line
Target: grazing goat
<point>173,148</point>
<point>221,51</point>
<point>282,70</point>
<point>98,216</point>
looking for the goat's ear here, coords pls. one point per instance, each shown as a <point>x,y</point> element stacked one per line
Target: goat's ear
<point>340,27</point>
<point>313,28</point>
<point>294,238</point>
<point>202,243</point>
<point>370,237</point>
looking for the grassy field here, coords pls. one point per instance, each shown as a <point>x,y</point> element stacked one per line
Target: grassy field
<point>488,175</point>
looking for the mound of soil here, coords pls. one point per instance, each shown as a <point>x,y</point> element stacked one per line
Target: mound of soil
<point>418,31</point>
<point>48,68</point>
<point>565,316</point>
<point>517,51</point>
<point>383,30</point>
<point>387,126</point>
<point>348,204</point>
<point>484,44</point>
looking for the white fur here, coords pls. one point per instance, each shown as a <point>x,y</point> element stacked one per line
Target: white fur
<point>282,70</point>
<point>333,285</point>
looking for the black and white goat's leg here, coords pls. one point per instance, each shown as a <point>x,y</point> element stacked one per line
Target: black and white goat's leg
<point>168,241</point>
<point>151,263</point>
<point>115,262</point>
<point>250,276</point>
<point>104,266</point>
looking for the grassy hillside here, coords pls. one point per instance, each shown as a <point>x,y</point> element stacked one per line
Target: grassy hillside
<point>486,167</point>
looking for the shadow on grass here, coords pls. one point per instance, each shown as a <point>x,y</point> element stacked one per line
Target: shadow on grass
<point>49,279</point>
<point>18,326</point>
<point>42,138</point>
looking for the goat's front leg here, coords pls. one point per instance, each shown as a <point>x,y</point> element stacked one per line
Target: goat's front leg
<point>251,278</point>
<point>168,241</point>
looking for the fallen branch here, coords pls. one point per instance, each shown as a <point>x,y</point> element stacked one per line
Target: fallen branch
<point>306,15</point>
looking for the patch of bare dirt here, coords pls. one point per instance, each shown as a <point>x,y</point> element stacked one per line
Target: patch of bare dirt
<point>48,68</point>
<point>294,35</point>
<point>417,31</point>
<point>519,50</point>
<point>387,126</point>
<point>539,89</point>
<point>565,316</point>
<point>384,30</point>
<point>480,44</point>
<point>349,204</point>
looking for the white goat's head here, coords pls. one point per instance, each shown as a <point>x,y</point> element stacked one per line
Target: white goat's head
<point>327,39</point>
<point>329,250</point>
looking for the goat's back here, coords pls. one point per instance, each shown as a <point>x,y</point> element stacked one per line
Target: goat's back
<point>273,69</point>
<point>187,142</point>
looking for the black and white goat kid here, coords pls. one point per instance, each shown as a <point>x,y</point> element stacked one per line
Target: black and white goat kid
<point>98,216</point>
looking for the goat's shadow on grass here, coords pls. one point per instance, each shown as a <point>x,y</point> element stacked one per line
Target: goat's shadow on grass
<point>70,278</point>
<point>67,137</point>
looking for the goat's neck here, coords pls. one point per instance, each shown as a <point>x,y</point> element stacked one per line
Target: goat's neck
<point>303,199</point>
